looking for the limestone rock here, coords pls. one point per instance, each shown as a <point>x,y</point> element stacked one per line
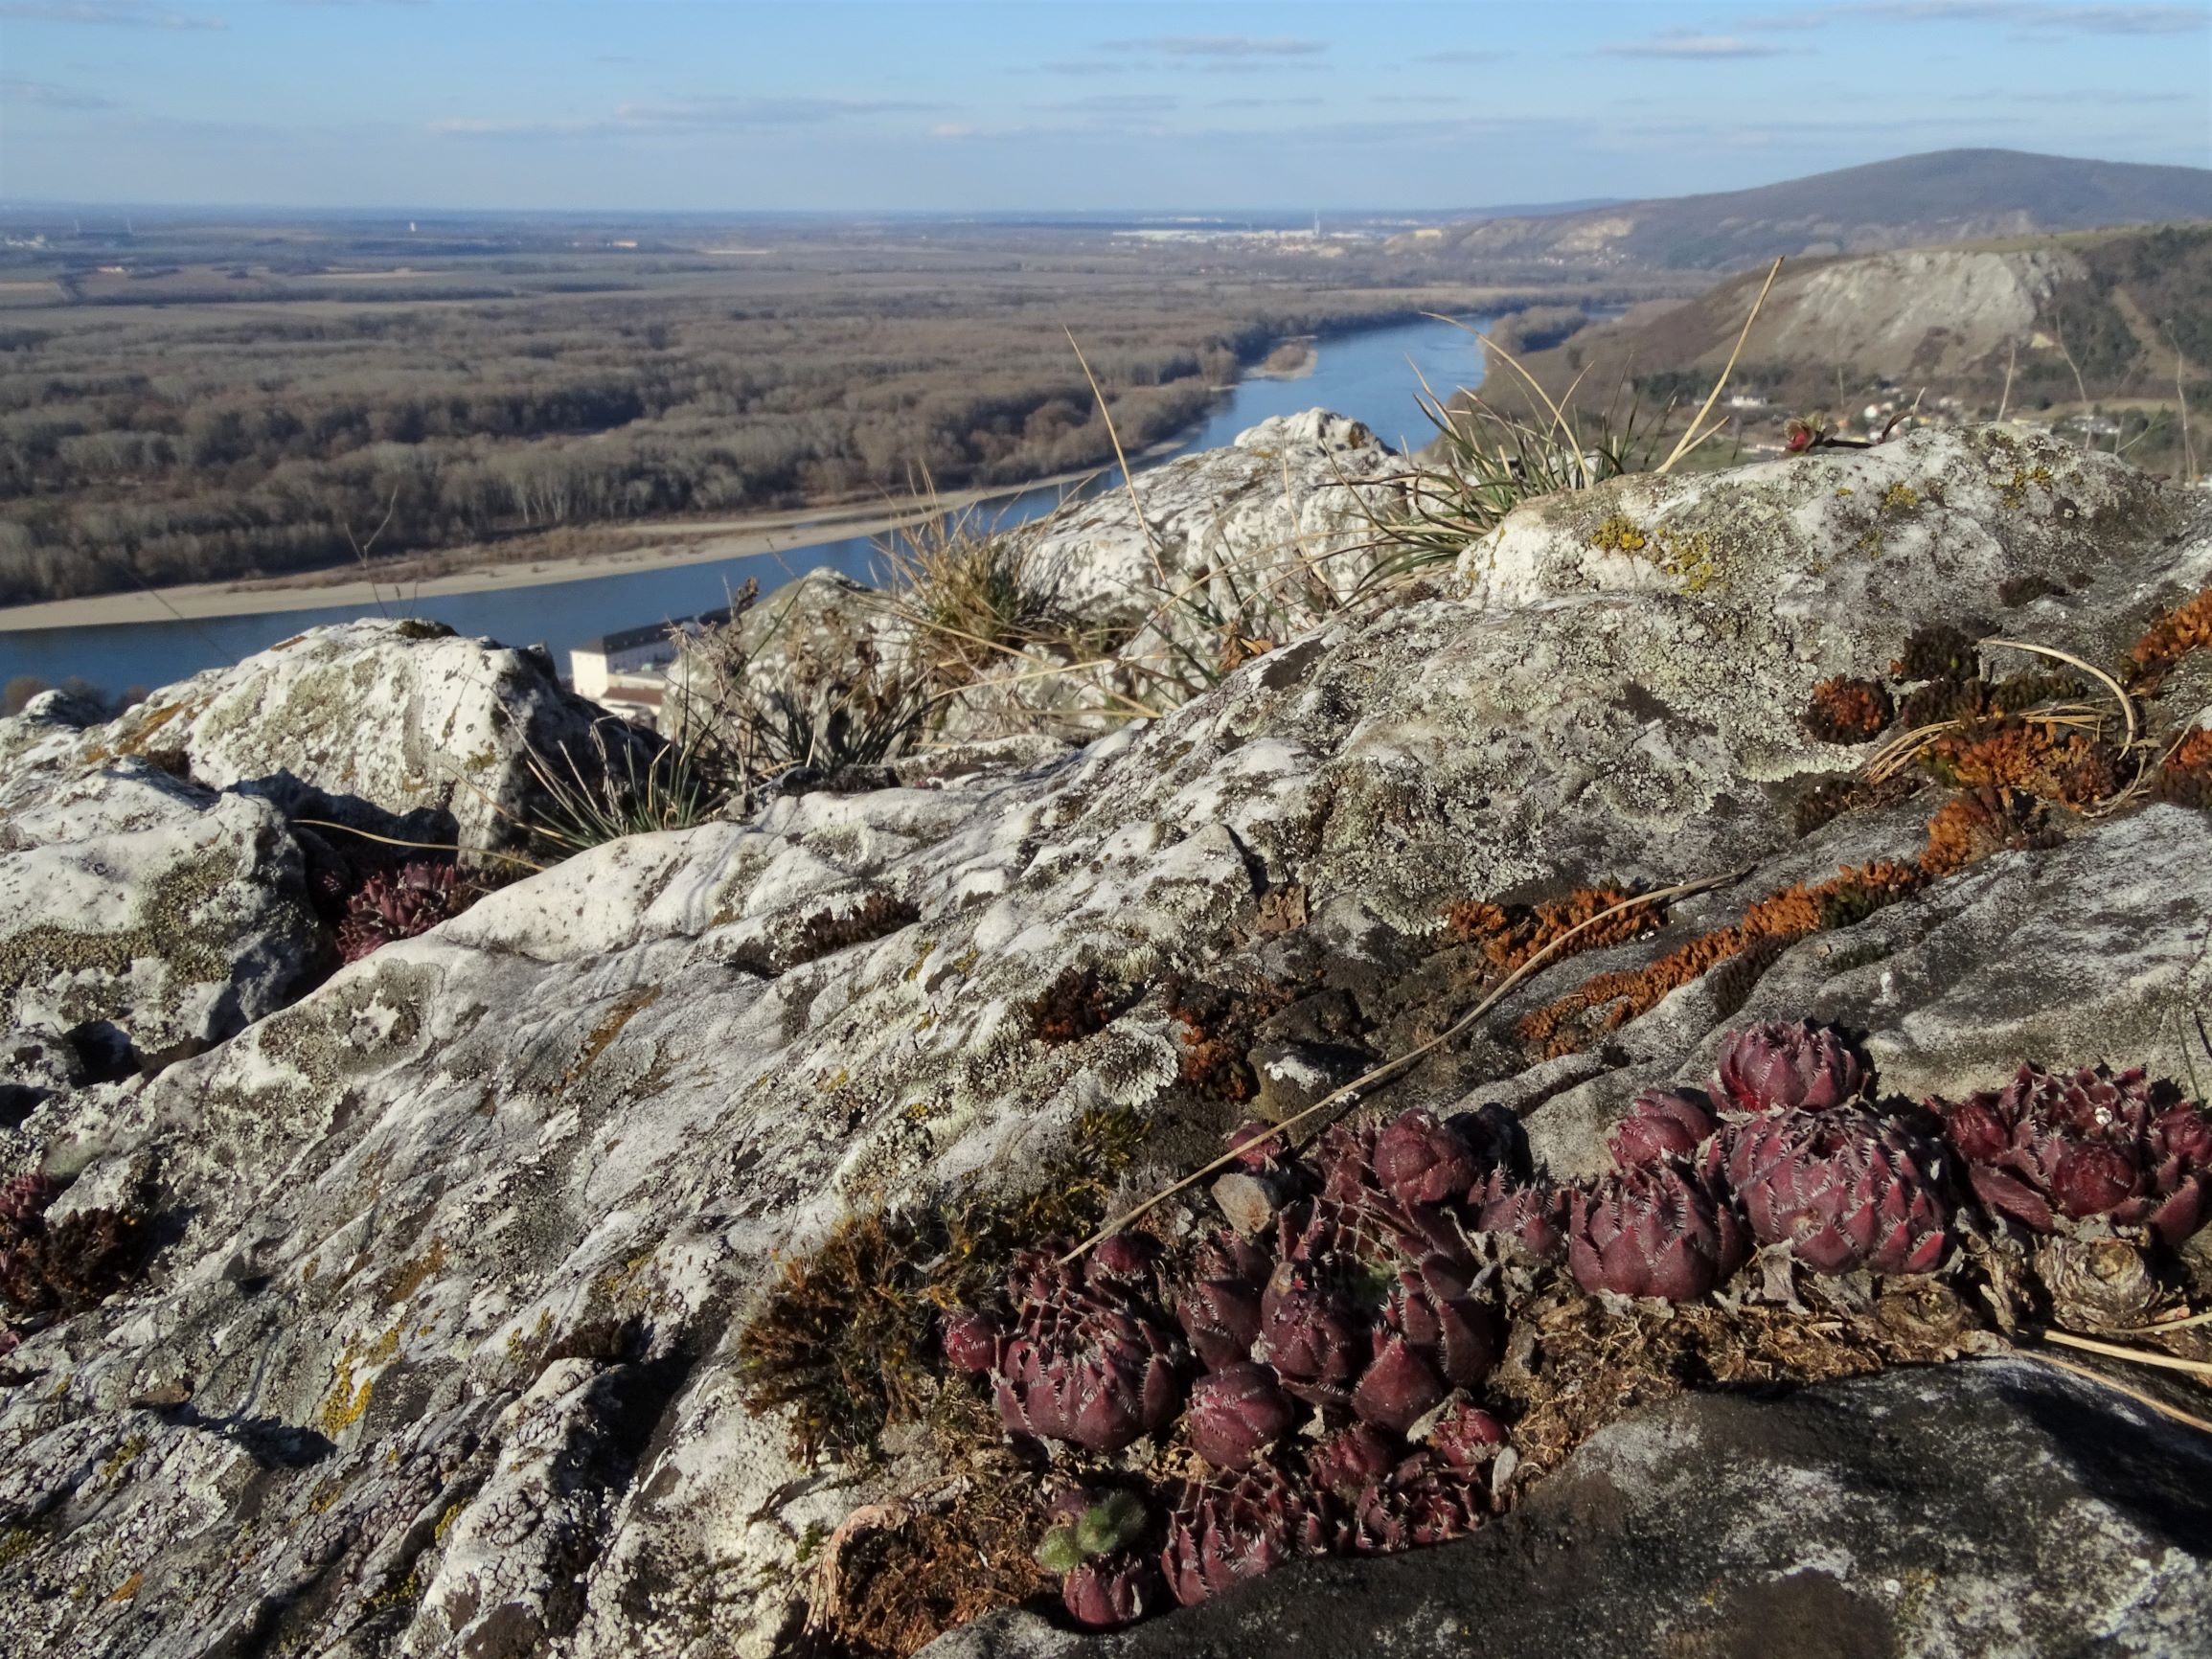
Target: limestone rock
<point>366,718</point>
<point>460,1239</point>
<point>154,917</point>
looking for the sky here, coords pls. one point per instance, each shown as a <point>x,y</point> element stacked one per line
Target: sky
<point>843,105</point>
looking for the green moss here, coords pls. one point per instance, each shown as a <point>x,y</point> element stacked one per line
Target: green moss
<point>844,1340</point>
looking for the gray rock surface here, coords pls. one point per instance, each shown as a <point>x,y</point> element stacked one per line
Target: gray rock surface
<point>152,916</point>
<point>380,717</point>
<point>1994,1508</point>
<point>463,1236</point>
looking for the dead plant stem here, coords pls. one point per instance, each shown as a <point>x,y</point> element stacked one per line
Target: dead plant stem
<point>1350,1093</point>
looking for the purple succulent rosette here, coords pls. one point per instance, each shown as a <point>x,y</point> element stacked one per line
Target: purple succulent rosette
<point>396,904</point>
<point>1662,1123</point>
<point>1236,1413</point>
<point>1370,1309</point>
<point>2052,1145</point>
<point>1658,1230</point>
<point>1421,1501</point>
<point>1788,1066</point>
<point>1844,1189</point>
<point>1239,1525</point>
<point>1418,1160</point>
<point>1219,1308</point>
<point>1088,1357</point>
<point>1532,1214</point>
<point>1112,1591</point>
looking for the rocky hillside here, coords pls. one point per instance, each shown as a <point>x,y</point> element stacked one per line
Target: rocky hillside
<point>639,1258</point>
<point>1916,200</point>
<point>2114,309</point>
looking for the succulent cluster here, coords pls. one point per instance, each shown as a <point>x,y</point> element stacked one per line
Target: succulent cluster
<point>2051,1146</point>
<point>394,904</point>
<point>54,1268</point>
<point>1088,1356</point>
<point>1322,1357</point>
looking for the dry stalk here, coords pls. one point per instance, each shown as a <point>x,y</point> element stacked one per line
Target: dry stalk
<point>420,846</point>
<point>2170,1325</point>
<point>1128,478</point>
<point>2141,1357</point>
<point>2119,695</point>
<point>2118,1387</point>
<point>1348,1095</point>
<point>1689,440</point>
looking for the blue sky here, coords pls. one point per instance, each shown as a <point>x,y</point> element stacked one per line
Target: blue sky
<point>838,104</point>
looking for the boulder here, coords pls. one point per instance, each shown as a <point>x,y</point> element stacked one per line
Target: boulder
<point>1996,1508</point>
<point>143,919</point>
<point>364,721</point>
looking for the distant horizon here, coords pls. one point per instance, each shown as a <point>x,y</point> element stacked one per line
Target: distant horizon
<point>963,108</point>
<point>989,216</point>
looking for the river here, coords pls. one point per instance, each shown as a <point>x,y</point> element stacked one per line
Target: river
<point>1369,375</point>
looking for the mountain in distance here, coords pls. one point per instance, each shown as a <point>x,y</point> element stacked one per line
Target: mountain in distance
<point>1946,197</point>
<point>2071,319</point>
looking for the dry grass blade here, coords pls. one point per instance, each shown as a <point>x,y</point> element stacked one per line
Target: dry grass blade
<point>1390,1068</point>
<point>1897,753</point>
<point>1128,478</point>
<point>1689,440</point>
<point>2141,1357</point>
<point>2119,695</point>
<point>419,846</point>
<point>2194,1319</point>
<point>2118,1387</point>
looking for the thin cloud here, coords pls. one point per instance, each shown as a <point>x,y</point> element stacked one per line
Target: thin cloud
<point>2024,16</point>
<point>720,114</point>
<point>1305,103</point>
<point>1216,46</point>
<point>695,113</point>
<point>106,13</point>
<point>2083,19</point>
<point>1123,103</point>
<point>48,96</point>
<point>1682,43</point>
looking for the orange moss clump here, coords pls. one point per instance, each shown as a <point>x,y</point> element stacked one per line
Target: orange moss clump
<point>1610,1000</point>
<point>1510,935</point>
<point>2186,776</point>
<point>1848,709</point>
<point>1972,825</point>
<point>2075,769</point>
<point>1969,827</point>
<point>2177,634</point>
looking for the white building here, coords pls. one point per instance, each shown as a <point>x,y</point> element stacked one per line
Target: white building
<point>627,672</point>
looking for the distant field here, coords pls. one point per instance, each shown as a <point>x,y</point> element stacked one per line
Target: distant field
<point>250,400</point>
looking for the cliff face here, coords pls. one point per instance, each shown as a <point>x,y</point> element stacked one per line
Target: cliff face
<point>437,1347</point>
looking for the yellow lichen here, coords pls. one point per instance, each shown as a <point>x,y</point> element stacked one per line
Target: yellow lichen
<point>1618,534</point>
<point>1901,497</point>
<point>123,1457</point>
<point>348,1397</point>
<point>411,1276</point>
